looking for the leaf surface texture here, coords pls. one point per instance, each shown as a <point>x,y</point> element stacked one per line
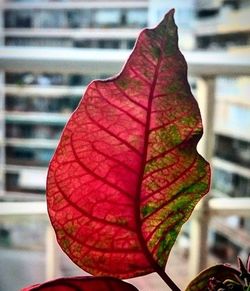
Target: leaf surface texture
<point>126,174</point>
<point>83,284</point>
<point>219,272</point>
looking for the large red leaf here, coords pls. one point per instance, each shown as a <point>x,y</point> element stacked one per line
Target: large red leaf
<point>126,174</point>
<point>83,284</point>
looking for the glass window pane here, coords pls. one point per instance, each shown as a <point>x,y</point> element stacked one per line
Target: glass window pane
<point>107,18</point>
<point>137,18</point>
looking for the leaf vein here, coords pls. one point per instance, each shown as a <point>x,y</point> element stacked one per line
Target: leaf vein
<point>88,215</point>
<point>113,135</point>
<point>129,98</point>
<point>120,109</point>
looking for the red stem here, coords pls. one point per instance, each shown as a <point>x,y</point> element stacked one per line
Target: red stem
<point>167,279</point>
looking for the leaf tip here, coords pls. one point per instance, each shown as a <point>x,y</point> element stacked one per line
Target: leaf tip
<point>170,31</point>
<point>171,12</point>
<point>169,16</point>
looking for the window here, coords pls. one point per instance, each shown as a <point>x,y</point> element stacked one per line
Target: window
<point>137,18</point>
<point>107,18</point>
<point>20,19</point>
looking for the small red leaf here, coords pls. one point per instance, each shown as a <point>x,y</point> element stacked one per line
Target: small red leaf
<point>83,284</point>
<point>126,174</point>
<point>218,272</point>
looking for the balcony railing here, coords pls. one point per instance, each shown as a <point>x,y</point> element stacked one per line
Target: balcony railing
<point>205,66</point>
<point>73,60</point>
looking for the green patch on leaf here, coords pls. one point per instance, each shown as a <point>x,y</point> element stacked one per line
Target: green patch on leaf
<point>126,83</point>
<point>169,135</point>
<point>165,246</point>
<point>189,121</point>
<point>152,186</point>
<point>123,83</point>
<point>122,221</point>
<point>201,167</point>
<point>148,209</point>
<point>180,203</point>
<point>172,38</point>
<point>175,135</point>
<point>70,228</point>
<point>158,164</point>
<point>156,52</point>
<point>65,243</point>
<point>198,187</point>
<point>175,87</point>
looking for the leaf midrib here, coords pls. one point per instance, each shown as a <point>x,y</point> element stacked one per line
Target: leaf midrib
<point>138,223</point>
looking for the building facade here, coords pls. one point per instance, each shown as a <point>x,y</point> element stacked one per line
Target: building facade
<point>36,104</point>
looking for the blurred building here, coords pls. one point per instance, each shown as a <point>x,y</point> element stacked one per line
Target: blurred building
<point>85,24</point>
<point>36,104</point>
<point>224,25</point>
<point>184,17</point>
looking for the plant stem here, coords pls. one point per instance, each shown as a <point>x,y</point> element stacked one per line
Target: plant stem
<point>167,280</point>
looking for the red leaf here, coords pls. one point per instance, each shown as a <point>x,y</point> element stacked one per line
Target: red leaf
<point>219,272</point>
<point>126,174</point>
<point>84,284</point>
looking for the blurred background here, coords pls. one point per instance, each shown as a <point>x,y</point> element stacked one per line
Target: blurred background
<point>50,50</point>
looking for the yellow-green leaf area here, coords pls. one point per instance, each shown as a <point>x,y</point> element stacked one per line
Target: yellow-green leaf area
<point>175,135</point>
<point>148,209</point>
<point>165,246</point>
<point>70,228</point>
<point>171,37</point>
<point>121,221</point>
<point>167,136</point>
<point>189,121</point>
<point>159,164</point>
<point>175,87</point>
<point>197,188</point>
<point>156,52</point>
<point>65,243</point>
<point>123,83</point>
<point>126,83</point>
<point>201,167</point>
<point>180,203</point>
<point>152,186</point>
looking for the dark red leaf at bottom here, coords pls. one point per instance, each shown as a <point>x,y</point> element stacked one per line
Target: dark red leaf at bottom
<point>83,284</point>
